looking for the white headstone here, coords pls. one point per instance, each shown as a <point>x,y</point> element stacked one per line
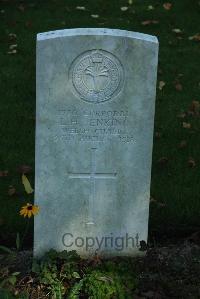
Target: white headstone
<point>95,114</point>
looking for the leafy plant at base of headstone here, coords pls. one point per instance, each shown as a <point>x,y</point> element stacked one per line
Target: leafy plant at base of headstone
<point>66,275</point>
<point>58,271</point>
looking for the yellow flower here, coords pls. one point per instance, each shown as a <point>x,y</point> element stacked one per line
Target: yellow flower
<point>29,210</point>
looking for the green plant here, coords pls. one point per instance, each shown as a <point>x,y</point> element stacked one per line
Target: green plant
<point>66,275</point>
<point>9,280</point>
<point>103,285</point>
<point>57,271</point>
<point>7,283</point>
<point>6,294</point>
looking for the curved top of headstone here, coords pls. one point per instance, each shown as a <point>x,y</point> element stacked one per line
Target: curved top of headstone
<point>96,31</point>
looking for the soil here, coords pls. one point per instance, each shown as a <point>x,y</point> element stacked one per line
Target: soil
<point>167,271</point>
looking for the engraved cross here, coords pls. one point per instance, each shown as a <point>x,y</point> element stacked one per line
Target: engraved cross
<point>92,176</point>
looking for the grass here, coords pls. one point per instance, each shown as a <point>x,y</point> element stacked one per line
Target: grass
<point>175,185</point>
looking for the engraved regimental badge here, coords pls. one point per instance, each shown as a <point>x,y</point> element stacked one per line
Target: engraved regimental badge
<point>97,76</point>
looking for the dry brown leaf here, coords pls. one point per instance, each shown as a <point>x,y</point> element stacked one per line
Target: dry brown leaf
<point>195,107</point>
<point>158,135</point>
<point>191,162</point>
<point>3,173</point>
<point>163,161</point>
<point>167,5</point>
<point>11,190</point>
<point>195,237</point>
<point>195,37</point>
<point>21,7</point>
<point>178,86</point>
<point>148,22</point>
<point>97,259</point>
<point>182,144</point>
<point>24,169</point>
<point>28,24</point>
<point>161,85</point>
<point>186,125</point>
<point>152,200</point>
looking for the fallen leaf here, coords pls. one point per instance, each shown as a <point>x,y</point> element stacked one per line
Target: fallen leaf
<point>178,86</point>
<point>27,185</point>
<point>95,16</point>
<point>124,8</point>
<point>150,7</point>
<point>3,173</point>
<point>195,237</point>
<point>24,169</point>
<point>191,162</point>
<point>186,125</point>
<point>163,161</point>
<point>11,47</point>
<point>182,144</point>
<point>161,85</point>
<point>81,8</point>
<point>12,51</point>
<point>12,36</point>
<point>195,107</point>
<point>11,190</point>
<point>158,135</point>
<point>167,5</point>
<point>28,24</point>
<point>21,7</point>
<point>152,200</point>
<point>195,37</point>
<point>181,115</point>
<point>97,259</point>
<point>148,22</point>
<point>176,30</point>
